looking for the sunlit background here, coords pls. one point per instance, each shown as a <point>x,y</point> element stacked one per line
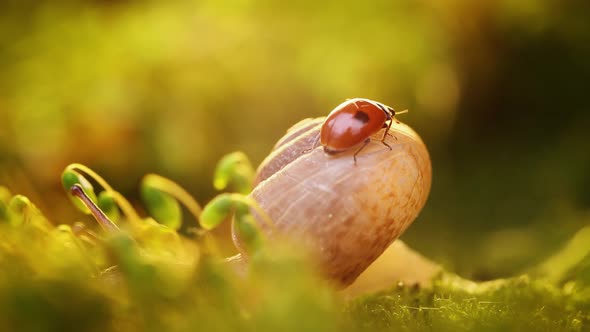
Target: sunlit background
<point>499,91</point>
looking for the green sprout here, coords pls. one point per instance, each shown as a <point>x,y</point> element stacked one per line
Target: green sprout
<point>20,209</point>
<point>73,175</point>
<point>163,199</point>
<point>224,206</point>
<point>107,203</point>
<point>234,170</point>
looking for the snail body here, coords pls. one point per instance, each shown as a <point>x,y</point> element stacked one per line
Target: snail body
<point>346,213</point>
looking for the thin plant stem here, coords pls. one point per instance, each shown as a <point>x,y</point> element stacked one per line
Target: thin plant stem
<point>123,203</point>
<point>172,188</point>
<point>100,217</point>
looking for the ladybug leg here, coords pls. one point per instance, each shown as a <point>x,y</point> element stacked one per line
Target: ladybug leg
<point>388,133</point>
<point>359,150</point>
<point>392,136</point>
<point>387,145</point>
<point>387,126</point>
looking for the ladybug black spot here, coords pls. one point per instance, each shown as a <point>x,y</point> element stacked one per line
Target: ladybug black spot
<point>361,116</point>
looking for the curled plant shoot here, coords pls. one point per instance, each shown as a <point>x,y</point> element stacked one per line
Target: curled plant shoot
<point>163,198</point>
<point>73,174</point>
<point>18,211</point>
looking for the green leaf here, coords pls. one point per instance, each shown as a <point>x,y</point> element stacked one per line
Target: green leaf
<point>235,170</point>
<point>17,209</point>
<point>163,207</point>
<point>19,203</point>
<point>108,205</point>
<point>216,211</point>
<point>246,229</point>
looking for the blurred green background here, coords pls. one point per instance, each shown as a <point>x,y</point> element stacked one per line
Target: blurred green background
<point>498,90</point>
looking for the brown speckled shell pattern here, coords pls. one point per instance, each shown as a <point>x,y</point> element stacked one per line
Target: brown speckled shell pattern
<point>348,214</point>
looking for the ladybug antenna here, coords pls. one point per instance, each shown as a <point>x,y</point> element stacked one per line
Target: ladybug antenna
<point>401,112</point>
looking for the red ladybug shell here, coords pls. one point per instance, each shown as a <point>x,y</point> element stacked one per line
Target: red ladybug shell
<point>352,122</point>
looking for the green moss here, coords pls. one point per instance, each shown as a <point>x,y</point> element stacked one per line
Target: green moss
<point>452,304</point>
<point>147,277</point>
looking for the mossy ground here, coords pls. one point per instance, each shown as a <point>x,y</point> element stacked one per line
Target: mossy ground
<point>517,304</point>
<point>57,279</point>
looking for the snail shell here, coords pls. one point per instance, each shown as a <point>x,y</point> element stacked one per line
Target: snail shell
<point>347,214</point>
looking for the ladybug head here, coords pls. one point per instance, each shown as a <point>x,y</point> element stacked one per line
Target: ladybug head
<point>388,110</point>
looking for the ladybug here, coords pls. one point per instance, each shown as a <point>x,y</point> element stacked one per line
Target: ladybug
<point>352,123</point>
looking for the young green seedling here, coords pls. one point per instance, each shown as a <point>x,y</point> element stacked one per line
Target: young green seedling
<point>147,229</point>
<point>163,198</point>
<point>107,203</point>
<point>159,193</point>
<point>73,174</point>
<point>244,226</point>
<point>20,210</point>
<point>234,170</point>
